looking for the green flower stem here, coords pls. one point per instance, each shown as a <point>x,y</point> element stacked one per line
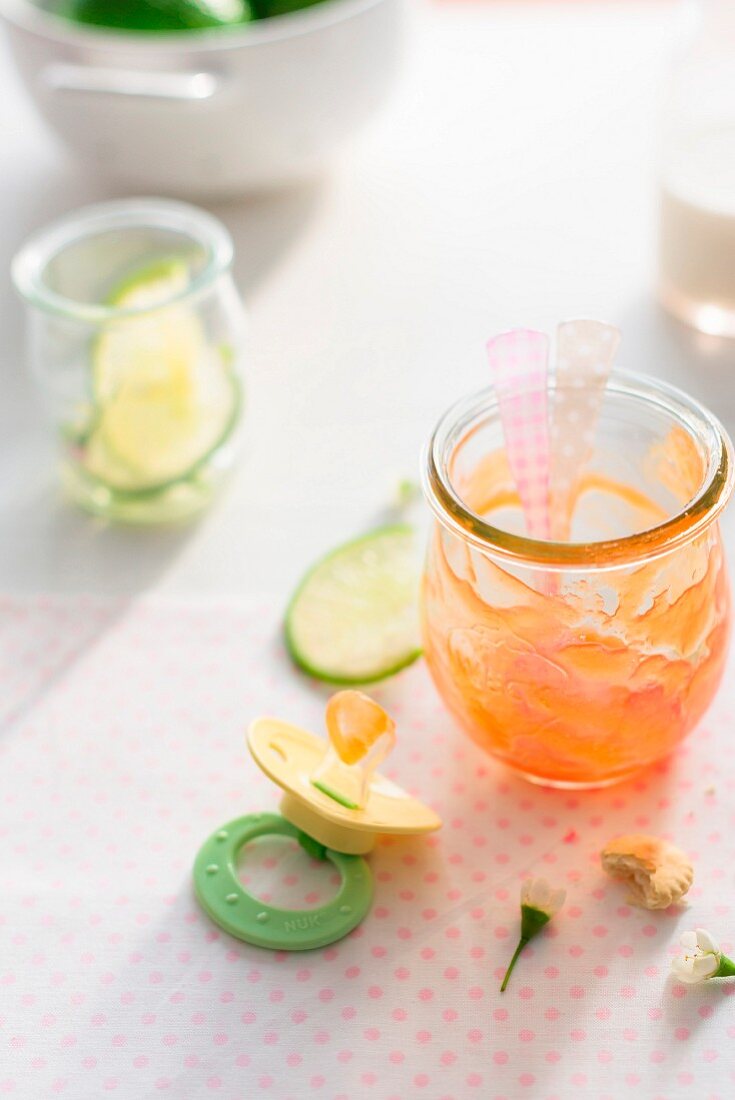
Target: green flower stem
<point>521,944</point>
<point>726,969</point>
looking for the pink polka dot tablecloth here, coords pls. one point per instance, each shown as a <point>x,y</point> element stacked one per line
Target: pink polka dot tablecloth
<point>123,747</point>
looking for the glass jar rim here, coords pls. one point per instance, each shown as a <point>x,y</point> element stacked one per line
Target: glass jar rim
<point>696,515</point>
<point>34,256</point>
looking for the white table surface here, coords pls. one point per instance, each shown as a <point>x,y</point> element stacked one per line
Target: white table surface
<point>510,181</point>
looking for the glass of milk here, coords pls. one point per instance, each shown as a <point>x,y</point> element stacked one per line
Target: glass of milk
<point>697,201</point>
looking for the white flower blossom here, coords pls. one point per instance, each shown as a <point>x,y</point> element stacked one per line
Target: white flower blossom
<point>538,894</point>
<point>701,959</point>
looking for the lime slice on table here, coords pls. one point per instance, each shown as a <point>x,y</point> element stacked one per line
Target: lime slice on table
<point>354,617</point>
<point>165,400</point>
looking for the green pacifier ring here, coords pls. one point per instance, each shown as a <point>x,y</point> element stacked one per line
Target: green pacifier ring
<point>223,897</point>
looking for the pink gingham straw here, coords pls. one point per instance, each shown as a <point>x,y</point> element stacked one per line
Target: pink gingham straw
<point>519,363</point>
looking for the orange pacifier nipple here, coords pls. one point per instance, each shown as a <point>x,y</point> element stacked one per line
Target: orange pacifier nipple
<point>361,735</point>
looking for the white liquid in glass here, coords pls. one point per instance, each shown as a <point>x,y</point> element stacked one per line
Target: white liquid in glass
<point>697,232</point>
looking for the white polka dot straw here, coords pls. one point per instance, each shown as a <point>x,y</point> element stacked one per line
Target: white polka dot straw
<point>519,364</point>
<point>585,352</point>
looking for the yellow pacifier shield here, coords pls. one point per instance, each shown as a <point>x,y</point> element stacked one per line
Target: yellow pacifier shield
<point>290,755</point>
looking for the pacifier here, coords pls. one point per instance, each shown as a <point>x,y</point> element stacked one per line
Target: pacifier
<point>335,804</point>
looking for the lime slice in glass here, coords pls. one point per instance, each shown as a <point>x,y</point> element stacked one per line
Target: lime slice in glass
<point>153,284</point>
<point>156,342</point>
<point>164,399</point>
<point>354,617</point>
<point>160,428</point>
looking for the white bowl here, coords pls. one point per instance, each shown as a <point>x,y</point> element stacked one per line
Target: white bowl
<point>215,112</point>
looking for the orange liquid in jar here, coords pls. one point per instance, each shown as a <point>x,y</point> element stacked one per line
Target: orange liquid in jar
<point>581,678</point>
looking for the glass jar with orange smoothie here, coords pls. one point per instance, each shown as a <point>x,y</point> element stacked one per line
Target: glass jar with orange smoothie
<point>576,663</point>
